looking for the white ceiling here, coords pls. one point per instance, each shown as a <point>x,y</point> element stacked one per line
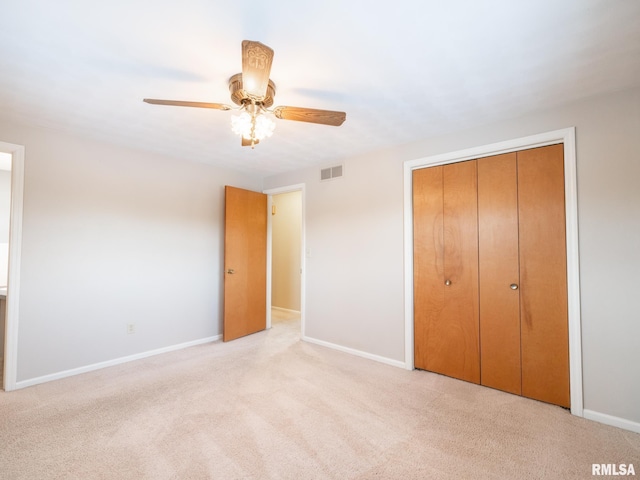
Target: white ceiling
<point>402,70</point>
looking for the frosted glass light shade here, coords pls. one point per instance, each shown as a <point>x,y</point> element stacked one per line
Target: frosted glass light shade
<point>243,125</point>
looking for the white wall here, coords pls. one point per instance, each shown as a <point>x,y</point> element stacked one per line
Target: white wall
<point>113,236</point>
<point>354,260</point>
<point>355,225</point>
<point>286,231</point>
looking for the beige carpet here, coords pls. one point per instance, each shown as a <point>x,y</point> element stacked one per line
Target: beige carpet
<point>270,406</point>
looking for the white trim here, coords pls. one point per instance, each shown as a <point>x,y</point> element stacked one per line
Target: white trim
<point>565,136</point>
<point>299,187</point>
<point>285,310</point>
<point>116,361</point>
<point>13,278</point>
<point>269,257</point>
<point>358,353</point>
<point>611,420</point>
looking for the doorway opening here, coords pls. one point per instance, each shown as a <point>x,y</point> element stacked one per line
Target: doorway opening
<point>11,198</point>
<point>285,258</point>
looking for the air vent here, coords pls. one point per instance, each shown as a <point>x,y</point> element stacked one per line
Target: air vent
<point>330,173</point>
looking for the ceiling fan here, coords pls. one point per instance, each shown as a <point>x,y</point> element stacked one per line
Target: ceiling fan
<point>253,92</point>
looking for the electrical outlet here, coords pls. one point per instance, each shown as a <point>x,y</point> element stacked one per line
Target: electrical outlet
<point>131,328</point>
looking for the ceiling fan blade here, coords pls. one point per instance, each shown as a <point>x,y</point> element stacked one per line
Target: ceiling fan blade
<point>311,115</point>
<point>178,103</point>
<point>256,67</point>
<point>247,143</point>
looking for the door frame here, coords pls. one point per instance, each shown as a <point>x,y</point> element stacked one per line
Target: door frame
<point>299,187</point>
<point>13,275</point>
<point>565,136</point>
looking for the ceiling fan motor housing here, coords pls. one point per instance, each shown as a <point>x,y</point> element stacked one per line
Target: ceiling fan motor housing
<point>241,97</point>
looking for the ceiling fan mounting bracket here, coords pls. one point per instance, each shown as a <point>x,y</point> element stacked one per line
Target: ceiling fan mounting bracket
<point>241,97</point>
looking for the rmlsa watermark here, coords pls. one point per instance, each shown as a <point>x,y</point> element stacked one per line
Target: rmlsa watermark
<point>613,469</point>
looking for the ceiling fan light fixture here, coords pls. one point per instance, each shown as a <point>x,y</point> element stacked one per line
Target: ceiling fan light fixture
<point>253,91</point>
<point>241,124</point>
<point>264,126</point>
<point>252,127</point>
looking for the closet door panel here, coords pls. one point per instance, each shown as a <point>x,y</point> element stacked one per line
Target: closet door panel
<point>499,271</point>
<point>445,248</point>
<point>459,345</point>
<point>543,280</point>
<point>428,252</point>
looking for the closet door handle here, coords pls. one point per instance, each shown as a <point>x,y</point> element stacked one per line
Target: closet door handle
<point>514,286</point>
<point>447,282</point>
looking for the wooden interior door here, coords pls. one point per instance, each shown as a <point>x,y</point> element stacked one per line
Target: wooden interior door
<point>446,325</point>
<point>499,273</point>
<point>245,263</point>
<point>543,275</point>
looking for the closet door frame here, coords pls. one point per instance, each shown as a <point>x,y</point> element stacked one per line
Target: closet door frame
<point>567,138</point>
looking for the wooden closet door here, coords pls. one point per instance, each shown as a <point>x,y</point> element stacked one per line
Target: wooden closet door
<point>543,275</point>
<point>499,273</point>
<point>428,260</point>
<point>446,325</point>
<point>460,316</point>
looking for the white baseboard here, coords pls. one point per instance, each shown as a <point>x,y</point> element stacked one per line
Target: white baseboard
<point>358,353</point>
<point>611,420</point>
<point>110,363</point>
<point>281,309</point>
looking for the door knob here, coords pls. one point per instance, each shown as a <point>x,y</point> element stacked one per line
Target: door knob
<point>231,271</point>
<point>514,286</point>
<point>447,282</point>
